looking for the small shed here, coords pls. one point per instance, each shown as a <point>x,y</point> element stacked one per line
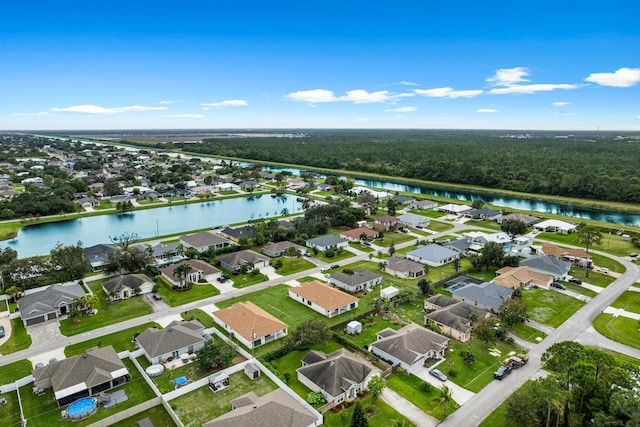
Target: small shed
<point>362,223</point>
<point>389,293</point>
<point>251,371</point>
<point>354,327</point>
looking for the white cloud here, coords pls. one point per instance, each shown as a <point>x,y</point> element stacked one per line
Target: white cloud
<point>530,89</point>
<point>509,76</point>
<point>486,110</point>
<point>312,96</point>
<point>184,116</point>
<point>363,119</point>
<point>96,109</point>
<point>224,104</point>
<point>622,77</point>
<point>401,110</point>
<point>357,96</point>
<point>560,104</point>
<point>405,83</point>
<point>447,92</point>
<point>637,117</point>
<point>38,114</point>
<point>167,102</point>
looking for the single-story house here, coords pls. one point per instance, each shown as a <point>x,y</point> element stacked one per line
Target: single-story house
<point>546,264</point>
<point>338,376</point>
<point>227,186</point>
<point>234,261</point>
<point>483,213</point>
<point>576,256</point>
<point>322,298</point>
<point>250,324</point>
<point>527,219</point>
<point>205,240</point>
<point>98,370</point>
<point>461,244</point>
<point>409,347</point>
<point>279,248</point>
<point>452,316</point>
<point>87,202</point>
<point>413,220</point>
<point>96,255</point>
<point>422,204</point>
<point>557,226</point>
<point>433,255</point>
<point>386,223</point>
<point>487,295</point>
<point>276,408</point>
<point>522,277</point>
<point>200,270</point>
<point>179,337</point>
<point>356,234</point>
<point>325,242</point>
<point>454,209</point>
<point>163,251</point>
<point>402,267</point>
<point>235,234</point>
<point>127,286</point>
<point>360,280</point>
<point>480,238</point>
<point>47,304</point>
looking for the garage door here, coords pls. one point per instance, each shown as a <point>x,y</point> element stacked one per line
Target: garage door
<point>51,316</point>
<point>35,320</point>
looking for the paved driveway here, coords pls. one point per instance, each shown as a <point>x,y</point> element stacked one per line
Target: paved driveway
<point>156,305</point>
<point>460,395</point>
<point>44,332</point>
<point>6,322</point>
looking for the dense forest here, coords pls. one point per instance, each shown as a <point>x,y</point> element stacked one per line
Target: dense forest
<point>584,166</point>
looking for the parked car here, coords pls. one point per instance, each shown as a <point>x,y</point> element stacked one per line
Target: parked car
<point>575,281</point>
<point>439,375</point>
<point>225,276</point>
<point>221,279</point>
<point>419,226</point>
<point>39,365</point>
<point>1,331</point>
<point>502,372</point>
<point>558,286</point>
<point>325,268</point>
<point>307,254</point>
<point>157,297</point>
<point>335,266</point>
<point>366,243</point>
<point>404,230</point>
<point>602,270</point>
<point>633,255</point>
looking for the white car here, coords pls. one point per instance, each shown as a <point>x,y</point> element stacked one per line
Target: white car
<point>602,270</point>
<point>325,268</point>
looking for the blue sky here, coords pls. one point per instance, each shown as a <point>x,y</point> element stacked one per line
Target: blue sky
<point>347,64</point>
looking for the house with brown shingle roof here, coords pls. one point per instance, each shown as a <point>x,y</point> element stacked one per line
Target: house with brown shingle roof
<point>355,234</point>
<point>402,267</point>
<point>453,317</point>
<point>200,270</point>
<point>522,277</point>
<point>250,324</point>
<point>205,240</point>
<point>576,256</point>
<point>386,223</point>
<point>279,248</point>
<point>322,298</point>
<point>409,347</point>
<point>234,261</point>
<point>177,338</point>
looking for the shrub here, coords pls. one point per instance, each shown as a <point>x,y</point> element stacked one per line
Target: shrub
<point>329,253</point>
<point>315,398</point>
<point>426,387</point>
<point>467,356</point>
<point>452,373</point>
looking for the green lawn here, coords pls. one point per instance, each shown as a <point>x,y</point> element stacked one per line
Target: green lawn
<point>42,411</point>
<point>621,329</point>
<point>336,257</point>
<point>629,301</point>
<point>159,416</point>
<point>202,405</point>
<point>370,327</point>
<point>429,213</point>
<point>192,371</point>
<point>361,247</point>
<point>121,340</point>
<point>10,412</point>
<point>549,307</point>
<point>394,238</point>
<point>579,289</point>
<point>595,278</point>
<point>200,316</point>
<point>439,227</point>
<point>14,371</point>
<point>108,312</point>
<point>19,339</point>
<point>611,243</point>
<point>479,374</point>
<point>484,223</point>
<point>380,415</point>
<point>293,265</point>
<point>175,298</point>
<point>410,387</point>
<point>527,332</point>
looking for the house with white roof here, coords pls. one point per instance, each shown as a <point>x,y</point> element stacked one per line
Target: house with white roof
<point>557,226</point>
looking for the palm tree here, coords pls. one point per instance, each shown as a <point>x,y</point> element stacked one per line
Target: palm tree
<point>182,272</point>
<point>284,212</point>
<point>445,397</point>
<point>91,301</point>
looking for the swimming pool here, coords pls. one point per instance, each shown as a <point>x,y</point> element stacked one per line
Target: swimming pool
<point>82,408</point>
<point>456,287</point>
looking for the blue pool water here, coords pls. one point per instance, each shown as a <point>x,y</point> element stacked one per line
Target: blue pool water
<point>81,406</point>
<point>181,380</point>
<point>456,287</point>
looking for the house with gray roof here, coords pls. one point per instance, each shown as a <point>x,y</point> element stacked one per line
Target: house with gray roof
<point>163,251</point>
<point>200,271</point>
<point>461,244</point>
<point>402,267</point>
<point>276,249</point>
<point>237,233</point>
<point>360,280</point>
<point>433,255</point>
<point>483,213</point>
<point>205,240</point>
<point>96,255</point>
<point>325,242</point>
<point>127,286</point>
<point>47,304</point>
<point>413,220</point>
<point>179,337</point>
<point>98,370</point>
<point>452,317</point>
<point>487,295</point>
<point>234,261</point>
<point>409,347</point>
<point>546,264</point>
<point>274,409</point>
<point>527,219</point>
<point>422,204</point>
<point>338,376</point>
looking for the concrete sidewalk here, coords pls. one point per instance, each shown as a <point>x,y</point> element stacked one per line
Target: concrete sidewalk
<point>408,409</point>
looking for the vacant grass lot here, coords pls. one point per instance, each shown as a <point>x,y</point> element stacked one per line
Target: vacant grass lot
<point>394,238</point>
<point>484,223</point>
<point>528,333</point>
<point>611,243</point>
<point>411,388</point>
<point>121,341</point>
<point>439,227</point>
<point>14,371</point>
<point>579,289</point>
<point>549,307</point>
<point>429,213</point>
<point>108,312</point>
<point>595,278</point>
<point>202,405</point>
<point>621,329</point>
<point>19,339</point>
<point>293,265</point>
<point>336,257</point>
<point>478,374</point>
<point>248,279</point>
<point>370,327</point>
<point>176,298</point>
<point>361,247</point>
<point>629,301</point>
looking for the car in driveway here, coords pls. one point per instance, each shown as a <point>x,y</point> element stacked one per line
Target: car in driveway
<point>602,270</point>
<point>157,297</point>
<point>438,374</point>
<point>1,331</point>
<point>575,281</point>
<point>502,372</point>
<point>325,268</point>
<point>633,255</point>
<point>558,286</point>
